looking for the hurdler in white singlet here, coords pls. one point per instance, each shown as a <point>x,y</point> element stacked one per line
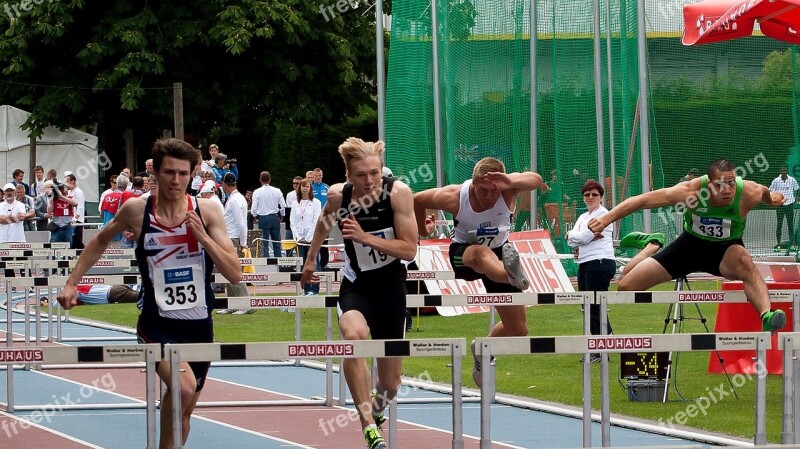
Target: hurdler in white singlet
<point>492,225</point>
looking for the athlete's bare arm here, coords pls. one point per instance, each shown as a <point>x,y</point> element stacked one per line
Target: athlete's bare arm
<point>404,245</point>
<point>327,220</point>
<point>442,198</point>
<point>128,216</point>
<point>214,238</point>
<point>668,196</point>
<point>754,193</point>
<point>512,184</point>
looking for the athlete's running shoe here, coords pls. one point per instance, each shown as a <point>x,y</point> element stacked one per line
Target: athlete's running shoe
<point>374,439</point>
<point>477,375</point>
<point>516,276</point>
<point>640,240</point>
<point>773,321</point>
<point>377,415</point>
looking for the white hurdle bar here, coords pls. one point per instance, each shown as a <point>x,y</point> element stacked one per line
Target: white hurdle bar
<point>149,354</point>
<point>789,342</point>
<point>485,348</point>
<point>43,245</point>
<point>455,348</point>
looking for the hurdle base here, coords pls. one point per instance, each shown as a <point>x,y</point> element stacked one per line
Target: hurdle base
<point>646,390</point>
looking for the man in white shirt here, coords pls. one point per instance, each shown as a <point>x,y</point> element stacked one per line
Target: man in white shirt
<point>12,216</point>
<point>37,186</point>
<point>78,219</point>
<point>236,223</point>
<point>788,186</point>
<point>291,200</point>
<point>268,208</point>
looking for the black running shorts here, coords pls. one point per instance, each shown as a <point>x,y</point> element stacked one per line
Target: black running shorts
<point>163,330</point>
<point>381,298</point>
<point>690,254</point>
<point>468,274</point>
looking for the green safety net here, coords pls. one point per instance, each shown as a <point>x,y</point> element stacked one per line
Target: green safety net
<point>734,100</point>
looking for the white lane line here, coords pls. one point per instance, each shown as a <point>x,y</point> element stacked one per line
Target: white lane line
<point>49,430</point>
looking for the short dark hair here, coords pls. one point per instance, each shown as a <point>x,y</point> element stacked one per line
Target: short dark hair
<point>70,177</point>
<point>718,166</point>
<point>264,177</point>
<point>38,168</point>
<point>137,182</point>
<point>17,172</point>
<point>174,148</point>
<point>592,185</point>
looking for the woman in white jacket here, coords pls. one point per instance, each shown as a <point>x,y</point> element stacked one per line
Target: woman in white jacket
<point>596,261</point>
<point>305,214</point>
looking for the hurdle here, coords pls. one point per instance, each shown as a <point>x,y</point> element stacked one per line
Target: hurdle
<point>487,347</point>
<point>789,342</point>
<point>149,354</point>
<point>455,348</point>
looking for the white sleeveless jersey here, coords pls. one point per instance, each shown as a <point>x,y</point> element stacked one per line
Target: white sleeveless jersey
<point>489,228</point>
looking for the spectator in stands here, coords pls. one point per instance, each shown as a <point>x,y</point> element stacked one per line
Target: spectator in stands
<point>112,181</point>
<point>213,151</point>
<point>291,200</point>
<point>152,187</point>
<point>12,217</point>
<point>268,208</point>
<point>248,196</point>
<point>18,175</point>
<point>148,169</point>
<point>222,167</point>
<point>236,224</point>
<point>135,189</point>
<point>40,207</point>
<point>594,252</point>
<point>305,214</point>
<point>37,186</point>
<point>80,209</point>
<point>30,212</point>
<point>310,175</point>
<point>208,192</point>
<point>787,186</point>
<point>321,193</point>
<point>111,203</point>
<point>52,174</point>
<point>61,208</point>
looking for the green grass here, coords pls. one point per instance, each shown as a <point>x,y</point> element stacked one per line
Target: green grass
<point>556,378</point>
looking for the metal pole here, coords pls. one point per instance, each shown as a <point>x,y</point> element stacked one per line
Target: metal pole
<point>587,378</point>
<point>605,395</point>
<point>175,396</point>
<point>381,71</point>
<point>761,391</point>
<point>644,116</point>
<point>611,149</point>
<point>486,397</point>
<point>437,106</point>
<point>787,433</point>
<point>598,94</point>
<point>458,410</point>
<point>150,385</point>
<point>328,361</point>
<point>9,342</point>
<point>534,139</point>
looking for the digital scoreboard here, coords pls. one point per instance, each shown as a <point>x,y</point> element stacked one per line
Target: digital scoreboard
<point>644,365</point>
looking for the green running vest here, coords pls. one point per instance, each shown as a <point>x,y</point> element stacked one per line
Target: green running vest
<point>715,224</point>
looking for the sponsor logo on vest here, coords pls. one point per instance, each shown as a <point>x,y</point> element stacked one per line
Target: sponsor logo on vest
<point>421,275</point>
<point>273,302</point>
<point>88,280</point>
<point>620,343</point>
<point>21,355</point>
<point>178,275</point>
<point>489,299</point>
<point>698,297</point>
<point>333,349</point>
<point>254,277</point>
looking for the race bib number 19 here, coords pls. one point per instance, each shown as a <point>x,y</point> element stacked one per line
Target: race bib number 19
<point>370,258</point>
<point>179,288</point>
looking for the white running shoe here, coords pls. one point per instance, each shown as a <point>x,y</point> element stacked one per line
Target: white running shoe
<point>516,276</point>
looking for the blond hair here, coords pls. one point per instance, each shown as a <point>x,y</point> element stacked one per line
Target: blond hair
<point>487,165</point>
<point>355,149</point>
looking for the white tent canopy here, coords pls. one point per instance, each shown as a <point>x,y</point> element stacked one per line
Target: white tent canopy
<point>71,150</point>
